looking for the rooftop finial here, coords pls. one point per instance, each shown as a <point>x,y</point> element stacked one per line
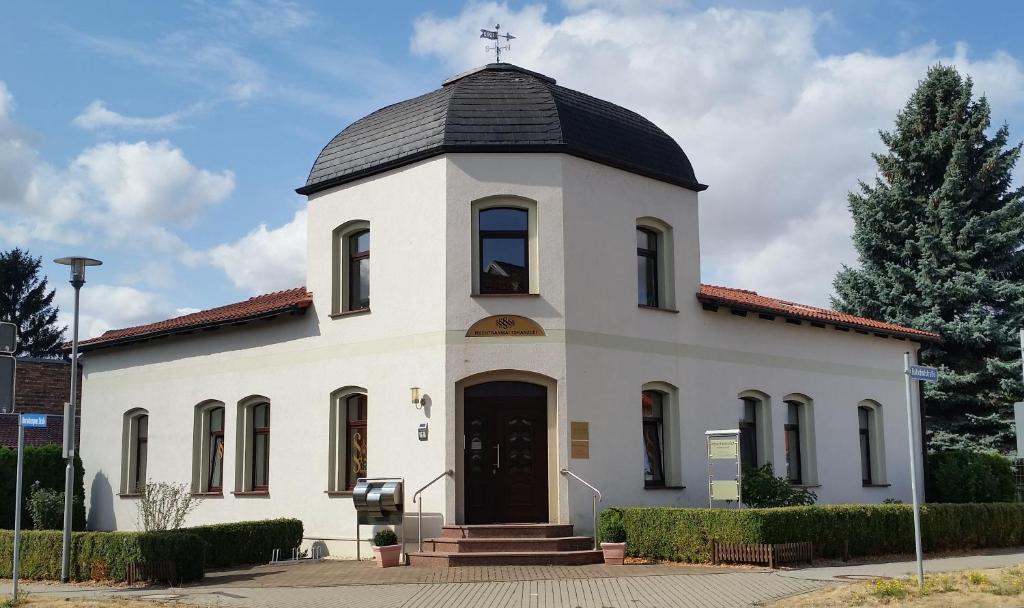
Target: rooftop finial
<point>493,35</point>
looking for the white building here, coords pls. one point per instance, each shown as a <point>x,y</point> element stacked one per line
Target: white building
<point>535,264</point>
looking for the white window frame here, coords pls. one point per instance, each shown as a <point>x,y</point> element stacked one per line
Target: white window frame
<point>201,446</point>
<point>665,260</point>
<point>672,446</point>
<point>876,441</point>
<point>763,422</point>
<point>337,473</point>
<point>808,451</point>
<point>533,247</point>
<point>244,442</point>
<point>129,460</point>
<point>340,267</point>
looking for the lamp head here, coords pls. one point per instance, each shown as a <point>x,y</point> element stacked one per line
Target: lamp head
<point>77,264</point>
<point>416,396</point>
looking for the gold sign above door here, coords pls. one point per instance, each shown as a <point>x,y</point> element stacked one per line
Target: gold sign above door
<point>504,325</point>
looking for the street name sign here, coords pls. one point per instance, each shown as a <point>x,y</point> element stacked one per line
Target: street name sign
<point>924,374</point>
<point>33,421</point>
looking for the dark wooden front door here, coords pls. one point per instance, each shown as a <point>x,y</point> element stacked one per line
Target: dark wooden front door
<point>506,453</point>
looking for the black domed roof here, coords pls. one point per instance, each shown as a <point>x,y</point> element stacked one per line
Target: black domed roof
<point>500,108</point>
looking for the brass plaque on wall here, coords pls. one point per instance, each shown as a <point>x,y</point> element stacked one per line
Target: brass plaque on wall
<point>579,431</point>
<point>579,449</point>
<point>504,325</point>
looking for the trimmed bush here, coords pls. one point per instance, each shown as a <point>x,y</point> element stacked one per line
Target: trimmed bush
<point>385,538</point>
<point>610,528</point>
<point>102,555</point>
<point>247,542</point>
<point>45,465</point>
<point>686,534</point>
<point>964,476</point>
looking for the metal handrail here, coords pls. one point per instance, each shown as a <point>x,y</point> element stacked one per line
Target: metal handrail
<point>419,516</point>
<point>597,497</point>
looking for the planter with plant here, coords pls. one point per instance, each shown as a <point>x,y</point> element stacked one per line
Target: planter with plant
<point>386,549</point>
<point>613,537</point>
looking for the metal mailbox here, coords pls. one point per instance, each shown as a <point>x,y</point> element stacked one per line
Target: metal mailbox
<point>378,501</point>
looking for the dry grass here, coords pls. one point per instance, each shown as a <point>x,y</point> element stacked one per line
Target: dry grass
<point>1001,587</point>
<point>38,601</point>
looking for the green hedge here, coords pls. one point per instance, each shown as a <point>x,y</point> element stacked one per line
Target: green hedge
<point>963,476</point>
<point>686,534</point>
<point>102,555</point>
<point>248,542</point>
<point>45,465</point>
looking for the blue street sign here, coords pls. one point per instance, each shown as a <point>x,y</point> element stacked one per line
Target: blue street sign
<point>33,420</point>
<point>924,374</point>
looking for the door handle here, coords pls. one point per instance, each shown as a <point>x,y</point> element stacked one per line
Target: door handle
<point>497,449</point>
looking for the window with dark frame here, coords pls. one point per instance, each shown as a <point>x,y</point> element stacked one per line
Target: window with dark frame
<point>359,270</point>
<point>794,466</point>
<point>748,434</point>
<point>504,238</point>
<point>355,433</point>
<point>864,422</point>
<point>647,267</point>
<point>652,404</point>
<point>215,466</point>
<point>141,452</point>
<point>261,447</point>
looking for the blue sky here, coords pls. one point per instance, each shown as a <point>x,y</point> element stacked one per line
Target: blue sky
<point>167,138</point>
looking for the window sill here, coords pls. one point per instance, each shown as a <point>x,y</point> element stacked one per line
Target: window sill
<point>350,313</point>
<point>254,493</point>
<point>805,485</point>
<point>664,487</point>
<point>129,495</point>
<point>208,494</point>
<point>876,485</point>
<point>658,308</point>
<point>504,295</point>
<point>338,493</point>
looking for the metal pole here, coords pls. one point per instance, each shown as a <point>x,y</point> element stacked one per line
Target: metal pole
<point>69,440</point>
<point>595,522</point>
<point>913,472</point>
<point>17,511</point>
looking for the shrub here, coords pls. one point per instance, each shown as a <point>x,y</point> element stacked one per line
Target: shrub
<point>47,508</point>
<point>965,476</point>
<point>761,489</point>
<point>43,465</point>
<point>687,534</point>
<point>385,538</point>
<point>610,528</point>
<point>247,542</point>
<point>102,555</point>
<point>164,506</point>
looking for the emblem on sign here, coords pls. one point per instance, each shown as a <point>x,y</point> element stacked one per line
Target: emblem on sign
<point>504,326</point>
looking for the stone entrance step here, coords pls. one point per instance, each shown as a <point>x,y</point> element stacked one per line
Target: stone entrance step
<point>507,545</point>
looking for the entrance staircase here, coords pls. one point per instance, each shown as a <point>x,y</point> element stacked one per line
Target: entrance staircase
<point>507,545</point>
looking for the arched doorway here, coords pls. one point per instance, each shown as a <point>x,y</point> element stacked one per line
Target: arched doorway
<point>505,460</point>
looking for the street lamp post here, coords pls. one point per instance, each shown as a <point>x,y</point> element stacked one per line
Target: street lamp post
<point>77,265</point>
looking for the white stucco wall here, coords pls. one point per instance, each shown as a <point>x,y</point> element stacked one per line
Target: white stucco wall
<point>599,352</point>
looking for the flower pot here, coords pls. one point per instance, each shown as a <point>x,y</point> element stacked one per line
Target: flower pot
<point>614,553</point>
<point>388,555</point>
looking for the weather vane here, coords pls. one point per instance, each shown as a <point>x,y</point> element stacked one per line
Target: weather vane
<point>493,35</point>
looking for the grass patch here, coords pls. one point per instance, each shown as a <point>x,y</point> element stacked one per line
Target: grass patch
<point>39,601</point>
<point>1001,587</point>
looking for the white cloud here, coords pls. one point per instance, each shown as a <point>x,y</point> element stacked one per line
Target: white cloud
<point>780,131</point>
<point>97,115</point>
<point>106,307</point>
<point>266,260</point>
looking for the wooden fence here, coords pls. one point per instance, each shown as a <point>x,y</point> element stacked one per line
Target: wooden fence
<point>772,555</point>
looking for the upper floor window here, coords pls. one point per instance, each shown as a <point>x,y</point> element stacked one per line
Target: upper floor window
<point>652,405</point>
<point>504,244</point>
<point>647,267</point>
<point>359,270</point>
<point>351,268</point>
<point>134,451</point>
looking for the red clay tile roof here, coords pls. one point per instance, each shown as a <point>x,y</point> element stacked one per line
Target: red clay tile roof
<point>742,299</point>
<point>294,301</point>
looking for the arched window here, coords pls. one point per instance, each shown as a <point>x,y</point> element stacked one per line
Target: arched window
<point>252,451</point>
<point>755,424</point>
<point>208,448</point>
<point>647,267</point>
<point>348,445</point>
<point>798,434</point>
<point>504,244</point>
<point>134,451</point>
<point>351,268</point>
<point>872,448</point>
<point>653,408</point>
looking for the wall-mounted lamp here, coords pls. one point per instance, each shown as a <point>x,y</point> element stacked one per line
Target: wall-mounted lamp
<point>416,397</point>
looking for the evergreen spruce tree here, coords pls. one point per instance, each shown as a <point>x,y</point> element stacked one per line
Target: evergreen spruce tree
<point>940,238</point>
<point>26,302</point>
